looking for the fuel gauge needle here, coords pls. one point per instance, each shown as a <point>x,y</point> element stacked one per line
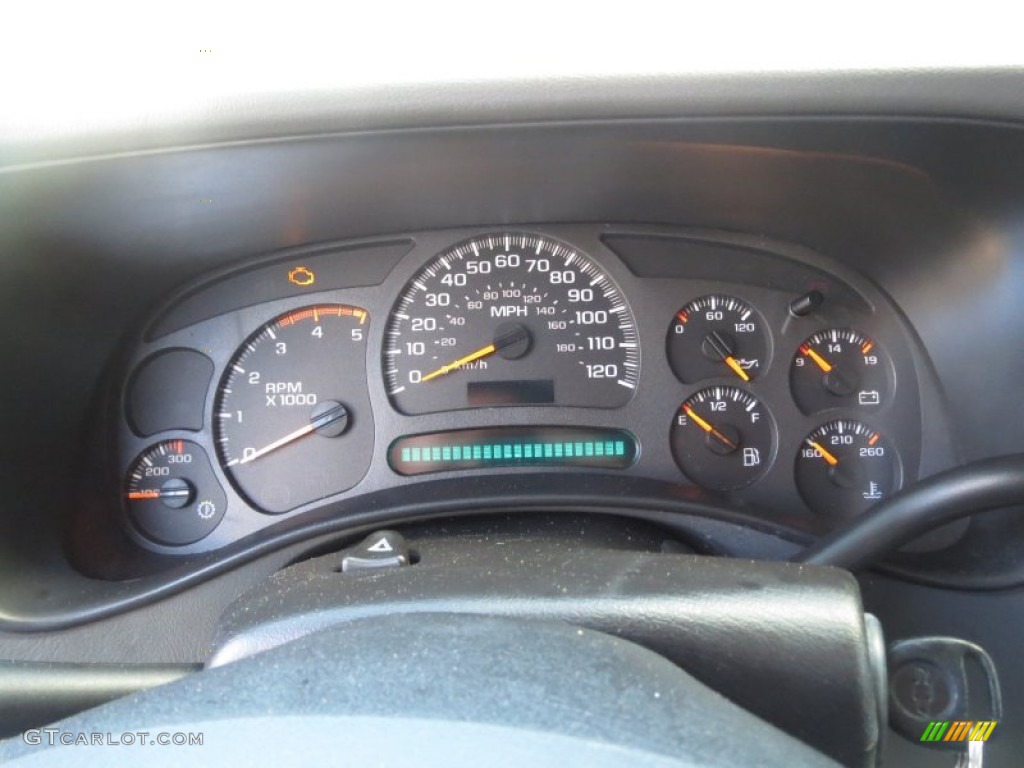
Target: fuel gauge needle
<point>708,428</point>
<point>832,460</point>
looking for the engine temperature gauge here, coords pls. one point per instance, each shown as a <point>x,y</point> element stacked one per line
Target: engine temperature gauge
<point>844,467</point>
<point>722,438</point>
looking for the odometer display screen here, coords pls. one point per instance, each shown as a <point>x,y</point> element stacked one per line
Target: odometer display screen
<point>512,447</point>
<point>510,319</point>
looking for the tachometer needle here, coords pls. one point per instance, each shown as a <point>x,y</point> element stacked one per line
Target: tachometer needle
<point>707,427</point>
<point>832,460</point>
<point>820,361</point>
<point>490,349</point>
<point>290,437</point>
<point>333,413</point>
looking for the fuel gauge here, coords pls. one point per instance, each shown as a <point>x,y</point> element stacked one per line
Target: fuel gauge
<point>723,438</point>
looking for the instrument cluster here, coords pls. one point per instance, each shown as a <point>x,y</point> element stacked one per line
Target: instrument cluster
<point>759,376</point>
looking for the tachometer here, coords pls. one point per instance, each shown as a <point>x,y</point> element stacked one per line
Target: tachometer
<point>510,319</point>
<point>292,414</point>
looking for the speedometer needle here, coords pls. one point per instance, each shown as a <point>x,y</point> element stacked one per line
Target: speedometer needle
<point>490,349</point>
<point>512,340</point>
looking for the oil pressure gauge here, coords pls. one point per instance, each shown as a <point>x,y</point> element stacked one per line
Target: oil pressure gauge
<point>717,336</point>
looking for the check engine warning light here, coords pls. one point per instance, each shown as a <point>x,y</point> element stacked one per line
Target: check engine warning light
<point>302,276</point>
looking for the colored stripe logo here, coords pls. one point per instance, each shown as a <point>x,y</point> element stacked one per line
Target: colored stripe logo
<point>958,730</point>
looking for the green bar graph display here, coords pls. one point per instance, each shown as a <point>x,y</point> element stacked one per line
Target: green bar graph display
<point>512,446</point>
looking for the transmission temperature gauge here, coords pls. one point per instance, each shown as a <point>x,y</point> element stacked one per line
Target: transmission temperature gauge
<point>723,438</point>
<point>172,495</point>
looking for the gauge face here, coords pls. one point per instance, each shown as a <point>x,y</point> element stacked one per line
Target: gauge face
<point>845,467</point>
<point>510,319</point>
<point>840,368</point>
<point>292,415</point>
<point>717,336</point>
<point>723,438</point>
<point>172,495</point>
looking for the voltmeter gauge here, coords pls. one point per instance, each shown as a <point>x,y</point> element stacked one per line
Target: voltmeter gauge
<point>845,467</point>
<point>723,438</point>
<point>840,368</point>
<point>717,336</point>
<point>172,495</point>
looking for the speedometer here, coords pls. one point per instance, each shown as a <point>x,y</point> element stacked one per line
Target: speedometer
<point>510,319</point>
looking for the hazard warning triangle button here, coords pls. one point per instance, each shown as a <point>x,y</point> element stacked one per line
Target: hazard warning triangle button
<point>382,549</point>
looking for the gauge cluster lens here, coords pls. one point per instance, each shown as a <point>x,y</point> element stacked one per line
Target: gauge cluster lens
<point>845,467</point>
<point>723,438</point>
<point>840,368</point>
<point>510,319</point>
<point>292,415</point>
<point>717,336</point>
<point>505,353</point>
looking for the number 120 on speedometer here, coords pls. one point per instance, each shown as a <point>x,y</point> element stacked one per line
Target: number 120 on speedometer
<point>510,319</point>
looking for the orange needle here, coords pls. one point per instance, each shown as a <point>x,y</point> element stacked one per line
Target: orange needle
<point>134,495</point>
<point>707,427</point>
<point>490,349</point>
<point>832,460</point>
<point>821,362</point>
<point>737,368</point>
